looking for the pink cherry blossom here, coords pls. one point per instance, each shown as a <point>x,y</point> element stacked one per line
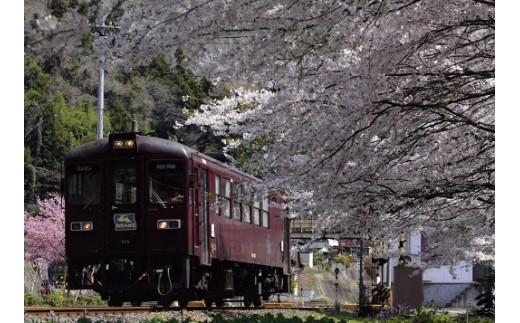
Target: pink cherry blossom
<point>45,232</point>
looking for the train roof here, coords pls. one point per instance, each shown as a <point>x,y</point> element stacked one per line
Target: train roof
<point>148,145</point>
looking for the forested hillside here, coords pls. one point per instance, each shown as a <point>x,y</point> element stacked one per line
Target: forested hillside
<point>61,97</point>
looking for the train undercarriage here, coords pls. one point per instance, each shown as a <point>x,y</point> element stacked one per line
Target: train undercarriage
<point>181,279</point>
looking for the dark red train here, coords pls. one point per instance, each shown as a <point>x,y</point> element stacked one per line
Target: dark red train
<point>148,219</point>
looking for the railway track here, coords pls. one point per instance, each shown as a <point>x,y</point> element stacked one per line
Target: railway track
<point>74,312</point>
<point>46,311</point>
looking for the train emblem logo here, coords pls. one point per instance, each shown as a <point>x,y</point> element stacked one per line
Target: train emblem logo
<point>125,222</point>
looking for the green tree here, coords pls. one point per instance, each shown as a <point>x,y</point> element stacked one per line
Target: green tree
<point>39,112</point>
<point>52,127</point>
<point>80,123</point>
<point>486,299</point>
<point>59,7</point>
<point>176,90</point>
<point>120,118</point>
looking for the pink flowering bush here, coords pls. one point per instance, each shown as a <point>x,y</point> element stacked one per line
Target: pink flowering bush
<point>45,231</point>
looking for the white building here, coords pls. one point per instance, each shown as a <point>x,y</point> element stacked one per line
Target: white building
<point>440,287</point>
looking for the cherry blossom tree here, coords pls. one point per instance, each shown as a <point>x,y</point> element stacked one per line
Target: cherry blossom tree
<point>383,111</point>
<point>45,231</point>
<point>376,115</point>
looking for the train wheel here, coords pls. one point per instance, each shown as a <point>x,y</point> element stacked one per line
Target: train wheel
<point>247,301</point>
<point>165,302</point>
<point>207,302</point>
<point>267,296</point>
<point>115,301</point>
<point>183,303</point>
<point>136,303</point>
<point>219,302</point>
<point>258,303</point>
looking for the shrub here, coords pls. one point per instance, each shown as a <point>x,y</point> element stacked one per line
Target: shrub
<point>62,298</point>
<point>55,298</point>
<point>32,300</point>
<point>425,316</point>
<point>321,261</point>
<point>92,299</point>
<point>345,260</point>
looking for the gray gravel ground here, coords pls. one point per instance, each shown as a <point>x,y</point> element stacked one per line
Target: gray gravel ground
<point>194,316</point>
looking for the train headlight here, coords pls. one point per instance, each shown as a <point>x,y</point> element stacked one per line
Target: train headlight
<point>117,144</point>
<point>81,226</point>
<point>168,224</point>
<point>129,143</point>
<point>123,144</point>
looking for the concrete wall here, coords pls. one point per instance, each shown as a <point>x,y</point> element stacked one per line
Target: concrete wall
<point>462,274</point>
<point>449,295</point>
<point>413,243</point>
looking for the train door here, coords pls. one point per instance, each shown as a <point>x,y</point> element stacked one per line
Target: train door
<point>286,251</point>
<point>166,200</point>
<point>125,193</point>
<point>203,213</point>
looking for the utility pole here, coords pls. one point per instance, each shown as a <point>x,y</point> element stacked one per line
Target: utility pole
<point>336,304</point>
<point>101,99</point>
<point>361,282</point>
<point>101,31</point>
<point>361,299</point>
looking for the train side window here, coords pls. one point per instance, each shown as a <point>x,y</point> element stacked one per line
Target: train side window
<point>237,206</point>
<point>247,210</point>
<point>256,210</point>
<point>218,195</point>
<point>227,198</point>
<point>265,212</point>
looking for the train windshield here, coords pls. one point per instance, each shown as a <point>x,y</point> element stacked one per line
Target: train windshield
<point>83,186</point>
<point>125,184</point>
<point>166,182</point>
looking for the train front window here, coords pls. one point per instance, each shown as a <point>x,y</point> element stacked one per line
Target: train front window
<point>166,182</point>
<point>83,185</point>
<point>125,185</point>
